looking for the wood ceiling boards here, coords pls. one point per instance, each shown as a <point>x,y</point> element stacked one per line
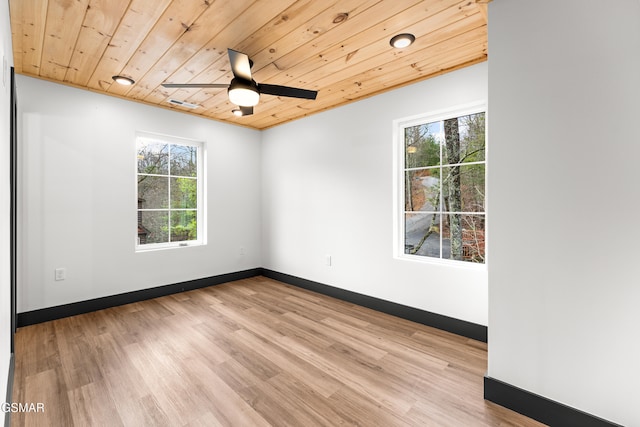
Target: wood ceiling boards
<point>339,48</point>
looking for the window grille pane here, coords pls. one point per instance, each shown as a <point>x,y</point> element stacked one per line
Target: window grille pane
<point>463,139</point>
<point>184,160</point>
<point>153,158</point>
<point>472,138</point>
<point>153,226</point>
<point>463,188</point>
<point>184,225</point>
<point>153,192</point>
<point>422,188</point>
<point>422,234</point>
<point>463,237</point>
<point>422,146</point>
<point>184,193</point>
<point>472,187</point>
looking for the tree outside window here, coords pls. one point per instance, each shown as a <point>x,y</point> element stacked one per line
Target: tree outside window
<point>168,186</point>
<point>444,188</point>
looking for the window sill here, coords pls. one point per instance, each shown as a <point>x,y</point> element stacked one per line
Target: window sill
<point>165,246</point>
<point>441,262</point>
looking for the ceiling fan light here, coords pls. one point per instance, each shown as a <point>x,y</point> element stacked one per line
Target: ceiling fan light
<point>401,41</point>
<point>237,112</point>
<point>125,81</point>
<point>244,97</point>
<point>244,94</point>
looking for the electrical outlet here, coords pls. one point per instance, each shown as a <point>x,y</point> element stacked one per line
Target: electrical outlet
<point>61,273</point>
<point>241,250</point>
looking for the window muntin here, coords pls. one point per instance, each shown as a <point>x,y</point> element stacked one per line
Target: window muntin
<point>169,192</point>
<point>442,186</point>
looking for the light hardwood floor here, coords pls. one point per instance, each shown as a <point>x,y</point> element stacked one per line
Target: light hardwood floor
<point>254,352</point>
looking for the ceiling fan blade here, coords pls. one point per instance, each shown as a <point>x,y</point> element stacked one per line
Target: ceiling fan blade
<point>240,64</point>
<point>292,92</point>
<point>195,85</point>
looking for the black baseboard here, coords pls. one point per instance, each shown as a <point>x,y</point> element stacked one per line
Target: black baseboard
<point>66,310</point>
<point>449,324</point>
<point>539,408</point>
<point>9,398</point>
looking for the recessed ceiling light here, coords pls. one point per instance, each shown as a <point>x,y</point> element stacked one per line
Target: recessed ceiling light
<point>402,40</point>
<point>125,81</point>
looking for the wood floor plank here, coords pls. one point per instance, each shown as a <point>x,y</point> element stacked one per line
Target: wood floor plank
<point>317,380</point>
<point>362,410</point>
<point>255,352</point>
<point>47,387</point>
<point>90,406</point>
<point>363,377</point>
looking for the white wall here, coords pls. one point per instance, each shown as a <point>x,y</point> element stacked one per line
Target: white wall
<point>327,188</point>
<point>6,61</point>
<point>564,300</point>
<point>78,196</point>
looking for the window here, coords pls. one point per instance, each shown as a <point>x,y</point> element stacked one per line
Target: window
<point>169,192</point>
<point>441,191</point>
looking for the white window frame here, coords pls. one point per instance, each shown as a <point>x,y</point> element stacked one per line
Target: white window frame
<point>200,183</point>
<point>399,126</point>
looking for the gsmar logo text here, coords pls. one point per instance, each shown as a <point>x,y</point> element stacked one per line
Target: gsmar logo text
<point>22,407</point>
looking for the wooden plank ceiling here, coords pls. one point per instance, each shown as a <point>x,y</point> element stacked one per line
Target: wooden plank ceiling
<point>339,48</point>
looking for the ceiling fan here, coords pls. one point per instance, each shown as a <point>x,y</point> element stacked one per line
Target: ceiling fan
<point>243,90</point>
